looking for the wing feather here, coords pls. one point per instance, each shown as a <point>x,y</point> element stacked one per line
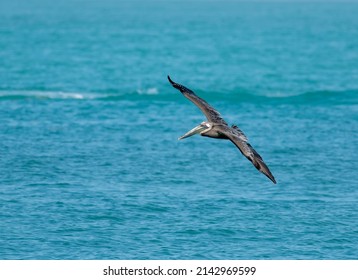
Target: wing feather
<point>236,136</point>
<point>210,113</point>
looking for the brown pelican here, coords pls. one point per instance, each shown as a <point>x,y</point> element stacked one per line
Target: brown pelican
<point>216,127</point>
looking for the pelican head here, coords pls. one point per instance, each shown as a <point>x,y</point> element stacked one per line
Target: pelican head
<point>203,127</point>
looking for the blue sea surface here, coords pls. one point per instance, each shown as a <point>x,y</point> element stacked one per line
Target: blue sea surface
<point>90,164</point>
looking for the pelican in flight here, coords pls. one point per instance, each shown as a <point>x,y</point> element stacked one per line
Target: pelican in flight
<point>216,127</point>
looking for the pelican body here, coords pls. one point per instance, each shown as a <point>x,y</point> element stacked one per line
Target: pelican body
<point>216,127</point>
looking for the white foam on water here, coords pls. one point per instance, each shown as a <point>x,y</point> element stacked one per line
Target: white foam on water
<point>18,94</point>
<point>148,91</point>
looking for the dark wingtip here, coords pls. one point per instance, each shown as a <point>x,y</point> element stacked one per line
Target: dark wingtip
<point>179,87</point>
<point>269,175</point>
<point>170,80</point>
<point>262,167</point>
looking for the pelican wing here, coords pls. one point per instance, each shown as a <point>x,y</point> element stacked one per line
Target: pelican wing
<point>236,136</point>
<point>210,113</point>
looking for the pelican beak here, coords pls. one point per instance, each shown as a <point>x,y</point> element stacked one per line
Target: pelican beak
<point>194,131</point>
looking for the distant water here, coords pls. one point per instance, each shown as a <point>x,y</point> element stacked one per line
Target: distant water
<point>90,164</point>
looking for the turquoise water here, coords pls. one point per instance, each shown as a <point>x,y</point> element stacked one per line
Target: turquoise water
<point>90,163</point>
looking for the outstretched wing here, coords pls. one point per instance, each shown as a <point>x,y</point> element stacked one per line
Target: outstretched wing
<point>210,113</point>
<point>239,139</point>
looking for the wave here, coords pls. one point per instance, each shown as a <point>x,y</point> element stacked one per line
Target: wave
<point>325,97</point>
<point>43,95</point>
<point>313,97</point>
<point>60,95</point>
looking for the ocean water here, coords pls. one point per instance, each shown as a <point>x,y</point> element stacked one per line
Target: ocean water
<point>90,164</point>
